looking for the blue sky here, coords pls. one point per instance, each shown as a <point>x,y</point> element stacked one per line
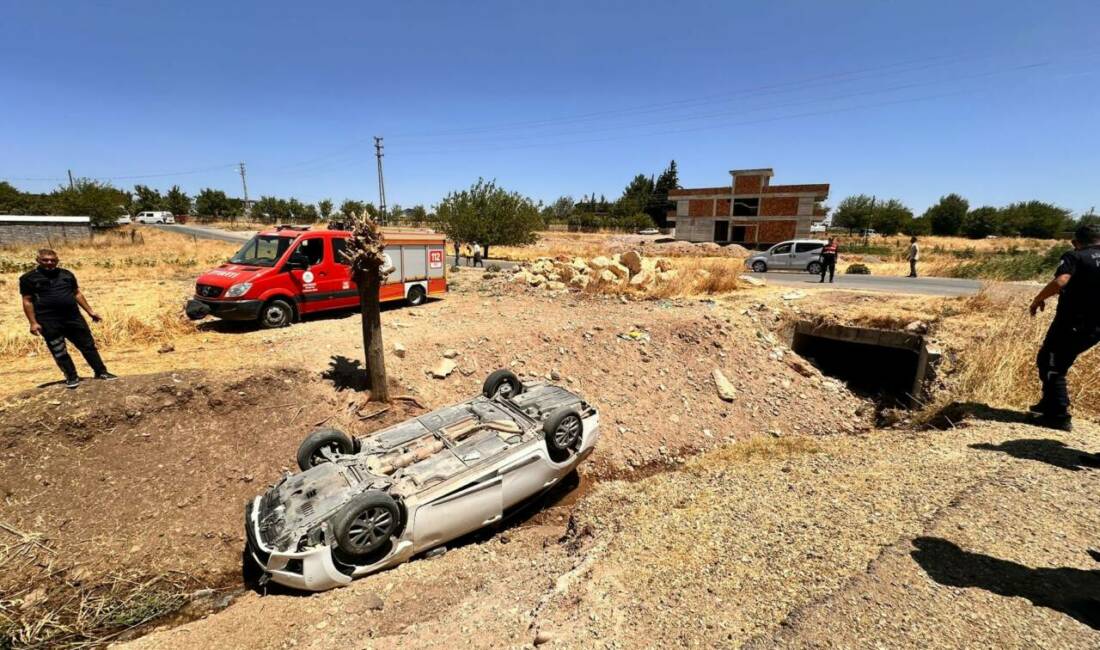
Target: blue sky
<point>998,101</point>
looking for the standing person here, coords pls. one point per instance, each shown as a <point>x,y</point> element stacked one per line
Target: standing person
<point>1076,325</point>
<point>828,259</point>
<point>913,255</point>
<point>477,255</point>
<point>468,253</point>
<point>457,247</point>
<point>51,297</point>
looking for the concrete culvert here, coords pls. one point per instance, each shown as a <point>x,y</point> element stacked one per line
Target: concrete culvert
<point>890,366</point>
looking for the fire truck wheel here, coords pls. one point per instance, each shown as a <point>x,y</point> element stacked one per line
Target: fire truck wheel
<point>416,295</point>
<point>276,313</point>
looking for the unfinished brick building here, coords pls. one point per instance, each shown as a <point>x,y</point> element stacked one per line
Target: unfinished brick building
<point>748,211</point>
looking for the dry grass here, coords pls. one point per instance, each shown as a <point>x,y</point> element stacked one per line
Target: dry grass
<point>138,283</point>
<point>996,342</point>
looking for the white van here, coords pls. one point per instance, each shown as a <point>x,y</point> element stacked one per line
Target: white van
<point>793,255</point>
<point>155,217</point>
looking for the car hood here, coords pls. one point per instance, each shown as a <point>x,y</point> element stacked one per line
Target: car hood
<point>227,275</point>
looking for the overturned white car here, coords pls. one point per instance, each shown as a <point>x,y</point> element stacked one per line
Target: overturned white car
<point>368,504</point>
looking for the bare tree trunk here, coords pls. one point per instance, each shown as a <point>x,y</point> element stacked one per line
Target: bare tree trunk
<point>369,283</point>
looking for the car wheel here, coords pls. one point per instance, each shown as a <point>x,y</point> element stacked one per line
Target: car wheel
<point>502,382</point>
<point>311,451</point>
<point>416,295</point>
<point>277,313</point>
<point>759,266</point>
<point>563,431</point>
<point>366,523</point>
<point>814,268</point>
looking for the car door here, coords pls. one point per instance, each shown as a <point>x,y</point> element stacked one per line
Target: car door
<point>779,257</point>
<point>528,474</point>
<point>454,514</point>
<point>806,252</point>
<point>309,281</point>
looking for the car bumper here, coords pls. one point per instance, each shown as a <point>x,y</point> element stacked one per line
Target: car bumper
<point>309,570</point>
<point>226,309</point>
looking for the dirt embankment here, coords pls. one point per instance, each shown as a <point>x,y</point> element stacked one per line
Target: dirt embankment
<point>135,488</point>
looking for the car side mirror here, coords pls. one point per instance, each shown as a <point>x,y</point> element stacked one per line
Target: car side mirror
<point>298,262</point>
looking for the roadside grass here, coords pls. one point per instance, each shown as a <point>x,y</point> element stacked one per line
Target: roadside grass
<point>996,342</point>
<point>137,279</point>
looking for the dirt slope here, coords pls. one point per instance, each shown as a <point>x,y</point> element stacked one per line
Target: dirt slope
<point>827,542</point>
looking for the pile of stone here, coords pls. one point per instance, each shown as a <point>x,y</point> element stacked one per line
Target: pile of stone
<point>629,269</point>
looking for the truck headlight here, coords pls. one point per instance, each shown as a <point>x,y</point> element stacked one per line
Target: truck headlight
<point>238,290</point>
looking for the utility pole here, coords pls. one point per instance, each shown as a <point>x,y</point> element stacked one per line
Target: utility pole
<point>244,186</point>
<point>381,184</point>
<point>70,179</point>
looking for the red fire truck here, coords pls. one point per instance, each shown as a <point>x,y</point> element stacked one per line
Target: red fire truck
<point>284,273</point>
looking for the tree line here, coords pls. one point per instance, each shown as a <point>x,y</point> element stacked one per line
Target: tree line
<point>643,204</point>
<point>953,216</point>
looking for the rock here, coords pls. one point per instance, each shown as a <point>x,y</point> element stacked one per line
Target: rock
<point>800,366</point>
<point>444,368</point>
<point>520,277</point>
<point>917,327</point>
<point>450,354</point>
<point>752,281</point>
<point>642,279</point>
<point>579,265</point>
<point>399,349</point>
<point>725,389</point>
<point>372,601</point>
<point>579,281</point>
<point>565,272</point>
<point>793,295</point>
<point>554,285</point>
<point>667,276</point>
<point>555,375</point>
<point>534,280</point>
<point>663,265</point>
<point>167,347</point>
<point>619,270</point>
<point>607,276</point>
<point>542,637</point>
<point>599,263</point>
<point>632,261</point>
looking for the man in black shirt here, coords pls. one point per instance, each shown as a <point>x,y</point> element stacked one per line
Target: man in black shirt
<point>1076,326</point>
<point>51,297</point>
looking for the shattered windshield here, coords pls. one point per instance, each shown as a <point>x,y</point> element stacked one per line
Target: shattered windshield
<point>262,250</point>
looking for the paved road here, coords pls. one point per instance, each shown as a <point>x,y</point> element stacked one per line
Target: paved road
<point>927,286</point>
<point>891,284</point>
<point>203,232</point>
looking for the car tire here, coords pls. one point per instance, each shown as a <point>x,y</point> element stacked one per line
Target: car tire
<point>416,295</point>
<point>504,382</point>
<point>814,268</point>
<point>562,431</point>
<point>276,313</point>
<point>309,452</point>
<point>759,266</point>
<point>366,523</point>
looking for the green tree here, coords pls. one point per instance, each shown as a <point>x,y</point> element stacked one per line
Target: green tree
<point>636,196</point>
<point>350,208</point>
<point>917,227</point>
<point>559,211</point>
<point>890,217</point>
<point>489,215</point>
<point>946,217</point>
<point>324,208</point>
<point>1036,219</point>
<point>659,205</point>
<point>981,222</point>
<point>854,213</point>
<point>214,204</point>
<point>11,199</point>
<point>1089,218</point>
<point>176,201</point>
<point>100,201</point>
<point>147,199</point>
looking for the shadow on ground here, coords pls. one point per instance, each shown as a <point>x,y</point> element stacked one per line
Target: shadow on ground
<point>1051,452</point>
<point>957,412</point>
<point>1074,592</point>
<point>346,374</point>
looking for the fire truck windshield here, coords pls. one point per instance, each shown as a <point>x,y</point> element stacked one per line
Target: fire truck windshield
<point>262,250</point>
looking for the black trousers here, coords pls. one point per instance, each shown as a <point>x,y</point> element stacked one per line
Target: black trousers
<point>77,332</point>
<point>1064,342</point>
<point>828,263</point>
<point>912,268</point>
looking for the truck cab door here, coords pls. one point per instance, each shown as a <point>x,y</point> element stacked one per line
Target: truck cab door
<point>310,283</point>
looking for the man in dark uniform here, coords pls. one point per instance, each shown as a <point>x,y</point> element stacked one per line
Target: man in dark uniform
<point>1076,326</point>
<point>51,297</point>
<point>828,259</point>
